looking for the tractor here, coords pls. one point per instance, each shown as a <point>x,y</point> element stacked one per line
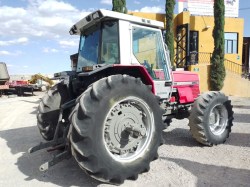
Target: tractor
<point>110,110</point>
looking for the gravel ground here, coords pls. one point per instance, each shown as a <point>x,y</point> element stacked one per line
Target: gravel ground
<point>182,161</point>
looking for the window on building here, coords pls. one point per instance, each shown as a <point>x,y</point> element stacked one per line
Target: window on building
<point>231,43</point>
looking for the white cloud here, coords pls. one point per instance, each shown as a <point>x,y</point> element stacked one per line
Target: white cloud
<point>22,40</point>
<point>50,19</point>
<point>8,53</point>
<point>154,9</point>
<point>107,2</point>
<point>4,53</point>
<point>66,43</point>
<point>52,22</point>
<point>49,50</point>
<point>55,6</point>
<point>137,2</point>
<point>10,12</point>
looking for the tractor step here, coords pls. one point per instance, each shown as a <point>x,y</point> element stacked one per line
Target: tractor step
<point>58,142</point>
<point>53,145</point>
<point>58,158</point>
<point>44,145</point>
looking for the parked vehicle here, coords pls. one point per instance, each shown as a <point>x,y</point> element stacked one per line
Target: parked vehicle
<point>110,112</point>
<point>4,78</point>
<point>39,77</point>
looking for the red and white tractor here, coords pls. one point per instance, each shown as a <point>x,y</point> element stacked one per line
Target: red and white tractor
<point>110,111</point>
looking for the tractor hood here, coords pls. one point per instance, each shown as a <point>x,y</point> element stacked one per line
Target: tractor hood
<point>187,84</point>
<point>185,78</point>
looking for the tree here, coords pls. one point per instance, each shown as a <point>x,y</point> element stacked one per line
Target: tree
<point>169,37</point>
<point>218,73</point>
<point>119,6</point>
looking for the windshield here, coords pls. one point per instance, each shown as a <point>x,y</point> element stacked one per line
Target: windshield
<point>99,46</point>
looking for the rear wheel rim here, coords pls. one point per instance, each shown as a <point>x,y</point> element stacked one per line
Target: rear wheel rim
<point>128,129</point>
<point>218,119</point>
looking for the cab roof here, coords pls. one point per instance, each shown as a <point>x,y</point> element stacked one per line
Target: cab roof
<point>101,14</point>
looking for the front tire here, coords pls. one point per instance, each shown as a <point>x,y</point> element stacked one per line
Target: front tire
<point>211,118</point>
<point>116,130</point>
<point>49,109</point>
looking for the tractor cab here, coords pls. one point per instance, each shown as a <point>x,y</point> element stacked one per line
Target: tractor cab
<point>110,39</point>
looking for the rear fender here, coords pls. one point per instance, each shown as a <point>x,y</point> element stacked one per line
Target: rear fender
<point>136,71</point>
<point>141,73</point>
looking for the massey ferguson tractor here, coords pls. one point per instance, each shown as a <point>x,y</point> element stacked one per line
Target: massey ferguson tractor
<point>110,111</point>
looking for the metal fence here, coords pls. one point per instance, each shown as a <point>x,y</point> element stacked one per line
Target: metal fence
<point>205,58</point>
<point>233,67</point>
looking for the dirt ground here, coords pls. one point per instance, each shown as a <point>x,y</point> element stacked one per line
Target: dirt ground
<point>182,161</point>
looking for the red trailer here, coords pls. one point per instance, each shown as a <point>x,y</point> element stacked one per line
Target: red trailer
<point>18,86</point>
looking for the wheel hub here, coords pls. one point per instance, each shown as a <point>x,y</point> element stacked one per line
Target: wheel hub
<point>218,119</point>
<point>124,128</point>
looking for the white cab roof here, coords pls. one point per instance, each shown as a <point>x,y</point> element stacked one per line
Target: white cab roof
<point>101,14</point>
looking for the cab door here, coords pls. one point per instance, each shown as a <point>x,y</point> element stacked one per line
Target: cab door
<point>149,50</point>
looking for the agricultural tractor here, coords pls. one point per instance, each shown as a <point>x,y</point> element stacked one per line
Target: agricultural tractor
<point>110,110</point>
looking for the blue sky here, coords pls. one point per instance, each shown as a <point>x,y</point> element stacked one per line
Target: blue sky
<point>34,34</point>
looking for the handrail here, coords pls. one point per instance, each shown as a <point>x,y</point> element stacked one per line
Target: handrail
<point>205,58</point>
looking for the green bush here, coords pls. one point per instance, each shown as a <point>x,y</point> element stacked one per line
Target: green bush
<point>218,73</point>
<point>169,37</point>
<point>119,6</point>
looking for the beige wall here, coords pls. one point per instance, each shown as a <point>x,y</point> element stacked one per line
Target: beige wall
<point>234,84</point>
<point>203,71</point>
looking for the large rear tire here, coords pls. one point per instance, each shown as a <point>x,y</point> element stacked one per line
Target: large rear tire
<point>49,109</point>
<point>211,118</point>
<point>116,129</point>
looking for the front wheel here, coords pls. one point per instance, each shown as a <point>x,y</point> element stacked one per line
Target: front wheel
<point>211,118</point>
<point>116,130</point>
<point>49,109</point>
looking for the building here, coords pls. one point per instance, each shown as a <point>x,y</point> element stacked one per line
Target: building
<point>194,41</point>
<point>194,46</point>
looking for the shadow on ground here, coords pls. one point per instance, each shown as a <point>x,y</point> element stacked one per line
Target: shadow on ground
<point>242,118</point>
<point>179,137</point>
<point>212,175</point>
<point>35,102</point>
<point>241,106</point>
<point>183,137</point>
<point>66,173</point>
